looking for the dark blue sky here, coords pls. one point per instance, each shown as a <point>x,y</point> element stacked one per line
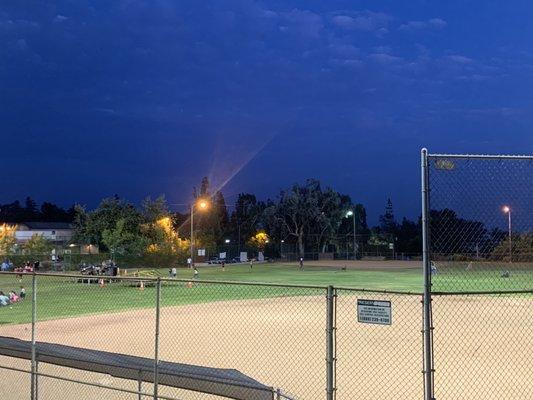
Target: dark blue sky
<point>145,97</point>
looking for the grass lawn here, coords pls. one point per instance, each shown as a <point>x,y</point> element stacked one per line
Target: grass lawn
<point>61,297</point>
<point>407,279</point>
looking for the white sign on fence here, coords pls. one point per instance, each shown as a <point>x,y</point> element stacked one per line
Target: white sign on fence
<point>374,312</point>
<point>201,252</point>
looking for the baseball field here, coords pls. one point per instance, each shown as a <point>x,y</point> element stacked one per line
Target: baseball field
<point>277,334</point>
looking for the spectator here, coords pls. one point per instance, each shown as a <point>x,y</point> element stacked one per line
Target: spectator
<point>4,300</point>
<point>5,266</point>
<point>13,297</point>
<point>434,270</point>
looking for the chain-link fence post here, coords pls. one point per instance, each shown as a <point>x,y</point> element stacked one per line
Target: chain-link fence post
<point>427,324</point>
<point>157,327</point>
<point>330,346</point>
<point>33,385</point>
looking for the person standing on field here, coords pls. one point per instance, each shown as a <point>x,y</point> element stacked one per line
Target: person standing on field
<point>174,272</point>
<point>189,262</point>
<point>251,264</point>
<point>301,267</point>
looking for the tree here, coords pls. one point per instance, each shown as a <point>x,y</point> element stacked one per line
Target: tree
<point>259,240</point>
<point>453,235</point>
<point>31,213</point>
<point>12,212</point>
<point>346,229</point>
<point>409,237</point>
<point>37,245</point>
<point>521,248</point>
<point>90,226</point>
<point>387,222</point>
<point>7,238</point>
<point>246,217</point>
<point>49,212</point>
<point>306,209</point>
<point>52,213</point>
<point>119,240</point>
<point>153,210</point>
<point>221,216</point>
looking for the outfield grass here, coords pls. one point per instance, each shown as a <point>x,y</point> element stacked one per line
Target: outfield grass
<point>60,297</point>
<point>407,279</point>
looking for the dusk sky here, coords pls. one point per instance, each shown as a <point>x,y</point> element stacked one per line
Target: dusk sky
<point>141,98</point>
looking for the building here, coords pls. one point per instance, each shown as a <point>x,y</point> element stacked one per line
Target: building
<point>59,233</point>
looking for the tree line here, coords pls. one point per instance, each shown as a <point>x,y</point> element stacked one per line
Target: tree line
<point>307,217</point>
<point>30,211</point>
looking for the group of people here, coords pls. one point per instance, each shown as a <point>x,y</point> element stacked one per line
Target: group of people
<point>173,273</point>
<point>12,297</point>
<point>6,265</point>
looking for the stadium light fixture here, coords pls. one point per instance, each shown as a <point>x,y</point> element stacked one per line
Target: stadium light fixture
<point>507,210</point>
<point>202,205</point>
<point>349,214</point>
<point>227,241</point>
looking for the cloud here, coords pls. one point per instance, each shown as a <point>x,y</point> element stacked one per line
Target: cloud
<point>433,23</point>
<point>384,58</point>
<point>60,18</point>
<point>437,23</point>
<point>21,45</point>
<point>18,26</point>
<point>304,22</point>
<point>368,21</point>
<point>456,58</point>
<point>347,51</point>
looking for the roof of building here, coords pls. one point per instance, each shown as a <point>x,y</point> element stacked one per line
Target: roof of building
<point>44,226</point>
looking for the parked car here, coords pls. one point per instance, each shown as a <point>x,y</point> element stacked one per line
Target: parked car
<point>214,260</point>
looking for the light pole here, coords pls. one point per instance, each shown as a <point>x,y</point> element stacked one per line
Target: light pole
<point>202,204</point>
<point>507,210</point>
<point>351,213</point>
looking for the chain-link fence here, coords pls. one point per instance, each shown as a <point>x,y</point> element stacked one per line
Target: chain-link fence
<point>139,338</point>
<point>479,276</point>
<point>467,335</point>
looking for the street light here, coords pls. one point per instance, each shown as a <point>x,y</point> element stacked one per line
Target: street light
<point>202,204</point>
<point>350,213</point>
<point>227,241</point>
<point>507,210</point>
